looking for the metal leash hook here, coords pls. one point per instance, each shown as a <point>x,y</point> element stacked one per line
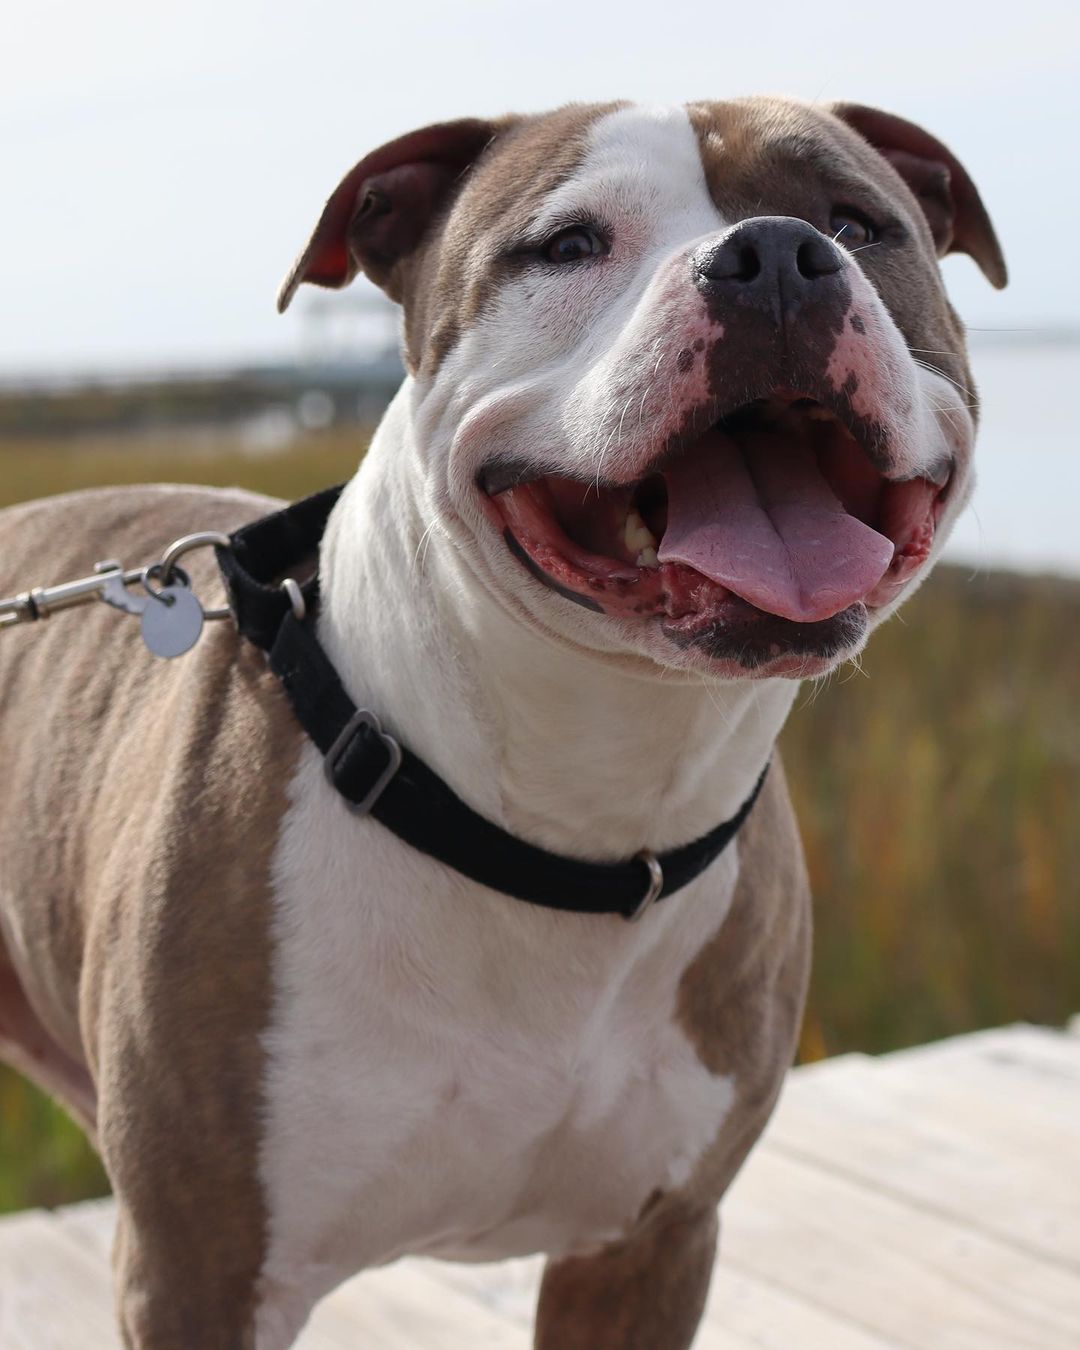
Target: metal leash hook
<point>171,617</point>
<point>42,601</point>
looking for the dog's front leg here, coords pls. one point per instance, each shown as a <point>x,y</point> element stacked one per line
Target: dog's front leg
<point>179,1124</point>
<point>644,1293</point>
<point>161,1307</point>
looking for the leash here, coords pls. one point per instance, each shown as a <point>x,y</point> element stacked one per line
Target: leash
<point>374,774</point>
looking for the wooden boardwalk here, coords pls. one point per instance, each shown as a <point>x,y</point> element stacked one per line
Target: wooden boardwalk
<point>929,1198</point>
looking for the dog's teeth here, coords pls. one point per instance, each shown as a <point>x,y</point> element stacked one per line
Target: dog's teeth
<point>820,414</point>
<point>636,533</point>
<point>647,558</point>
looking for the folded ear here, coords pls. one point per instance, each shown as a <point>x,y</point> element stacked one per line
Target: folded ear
<point>382,208</point>
<point>954,211</point>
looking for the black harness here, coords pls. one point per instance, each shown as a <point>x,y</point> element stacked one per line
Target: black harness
<point>379,777</point>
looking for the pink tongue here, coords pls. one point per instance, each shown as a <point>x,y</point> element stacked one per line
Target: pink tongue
<point>760,519</point>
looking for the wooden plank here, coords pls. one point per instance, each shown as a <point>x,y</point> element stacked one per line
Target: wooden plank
<point>1026,1114</point>
<point>508,1288</point>
<point>892,1127</point>
<point>403,1307</point>
<point>756,1313</point>
<point>91,1223</point>
<point>1046,1049</point>
<point>53,1294</point>
<point>892,1268</point>
<point>989,1092</point>
<point>1042,1052</point>
<point>337,1325</point>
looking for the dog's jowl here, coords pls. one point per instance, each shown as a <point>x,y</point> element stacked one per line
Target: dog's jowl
<point>667,445</point>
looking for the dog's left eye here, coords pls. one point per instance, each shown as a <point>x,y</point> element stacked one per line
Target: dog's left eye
<point>572,245</point>
<point>851,229</point>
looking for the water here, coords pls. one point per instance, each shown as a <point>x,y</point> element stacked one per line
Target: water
<point>1027,502</point>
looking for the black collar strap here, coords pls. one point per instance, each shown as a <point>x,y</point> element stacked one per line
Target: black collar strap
<point>378,777</point>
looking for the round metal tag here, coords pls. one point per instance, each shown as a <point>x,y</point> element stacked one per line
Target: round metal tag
<point>171,629</point>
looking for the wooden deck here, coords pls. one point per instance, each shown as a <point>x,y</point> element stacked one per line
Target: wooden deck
<point>929,1198</point>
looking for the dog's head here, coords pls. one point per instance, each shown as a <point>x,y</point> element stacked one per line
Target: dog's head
<point>685,382</point>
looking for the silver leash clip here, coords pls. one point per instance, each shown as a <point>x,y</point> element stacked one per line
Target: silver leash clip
<point>171,616</point>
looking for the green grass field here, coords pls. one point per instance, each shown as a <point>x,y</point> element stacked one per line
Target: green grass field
<point>937,788</point>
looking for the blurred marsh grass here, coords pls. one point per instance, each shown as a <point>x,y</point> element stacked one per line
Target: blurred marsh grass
<point>937,790</point>
<point>938,795</point>
<point>34,468</point>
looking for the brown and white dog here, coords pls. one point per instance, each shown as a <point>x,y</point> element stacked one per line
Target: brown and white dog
<point>687,415</point>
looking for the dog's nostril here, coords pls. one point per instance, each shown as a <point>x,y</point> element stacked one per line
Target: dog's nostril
<point>734,260</point>
<point>749,263</point>
<point>817,258</point>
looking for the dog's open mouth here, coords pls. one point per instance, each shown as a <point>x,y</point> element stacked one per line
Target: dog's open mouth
<point>778,506</point>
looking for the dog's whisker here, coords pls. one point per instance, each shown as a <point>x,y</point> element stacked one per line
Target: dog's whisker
<point>423,544</point>
<point>641,406</point>
<point>935,370</point>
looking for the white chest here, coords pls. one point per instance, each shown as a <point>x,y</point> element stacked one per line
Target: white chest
<point>454,1073</point>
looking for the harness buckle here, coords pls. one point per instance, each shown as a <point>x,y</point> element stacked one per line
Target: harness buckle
<point>656,884</point>
<point>336,754</point>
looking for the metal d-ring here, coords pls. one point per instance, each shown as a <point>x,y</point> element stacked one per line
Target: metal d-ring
<point>177,549</point>
<point>656,883</point>
<point>296,598</point>
<point>156,572</point>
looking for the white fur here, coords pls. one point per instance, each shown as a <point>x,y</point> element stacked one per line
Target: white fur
<point>453,1072</point>
<point>460,1075</point>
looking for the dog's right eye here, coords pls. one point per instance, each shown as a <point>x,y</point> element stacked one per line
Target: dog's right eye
<point>572,245</point>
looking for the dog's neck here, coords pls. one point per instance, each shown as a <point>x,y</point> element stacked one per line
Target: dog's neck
<point>569,749</point>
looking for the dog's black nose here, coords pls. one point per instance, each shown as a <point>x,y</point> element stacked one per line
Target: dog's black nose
<point>772,262</point>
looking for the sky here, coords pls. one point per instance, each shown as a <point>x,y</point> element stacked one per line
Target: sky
<point>163,163</point>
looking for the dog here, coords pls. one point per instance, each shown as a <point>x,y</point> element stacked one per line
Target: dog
<point>686,416</point>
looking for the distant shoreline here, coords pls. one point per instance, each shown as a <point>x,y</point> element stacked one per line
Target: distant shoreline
<point>357,365</point>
